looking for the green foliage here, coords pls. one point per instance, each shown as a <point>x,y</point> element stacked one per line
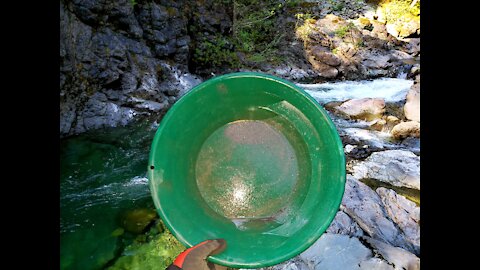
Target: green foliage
<point>302,32</point>
<point>304,16</point>
<point>360,43</point>
<point>343,30</point>
<point>216,53</point>
<point>337,5</point>
<point>254,29</point>
<point>369,27</point>
<point>306,22</point>
<point>133,3</point>
<point>293,3</point>
<point>254,35</point>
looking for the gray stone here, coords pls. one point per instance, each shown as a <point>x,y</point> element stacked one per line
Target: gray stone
<point>159,36</point>
<point>343,224</point>
<point>324,55</point>
<point>375,264</point>
<point>397,167</point>
<point>334,251</point>
<point>365,207</point>
<point>159,13</point>
<point>186,82</point>
<point>375,61</point>
<point>151,105</point>
<point>398,257</point>
<point>404,213</point>
<point>182,42</point>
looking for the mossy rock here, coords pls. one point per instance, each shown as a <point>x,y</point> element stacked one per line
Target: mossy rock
<point>137,220</point>
<point>155,252</point>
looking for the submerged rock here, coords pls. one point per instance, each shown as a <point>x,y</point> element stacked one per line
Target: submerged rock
<point>400,168</point>
<point>137,220</point>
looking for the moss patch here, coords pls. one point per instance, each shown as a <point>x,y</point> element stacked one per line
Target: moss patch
<point>149,251</point>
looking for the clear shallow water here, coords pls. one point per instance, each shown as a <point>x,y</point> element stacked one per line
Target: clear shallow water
<point>102,175</point>
<point>246,169</point>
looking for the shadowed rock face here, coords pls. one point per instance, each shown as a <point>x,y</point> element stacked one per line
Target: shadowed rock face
<point>113,65</point>
<point>121,60</point>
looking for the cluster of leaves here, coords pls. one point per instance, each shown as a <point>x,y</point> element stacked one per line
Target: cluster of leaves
<point>254,29</point>
<point>217,52</point>
<point>343,30</point>
<point>337,5</point>
<point>304,25</point>
<point>254,35</point>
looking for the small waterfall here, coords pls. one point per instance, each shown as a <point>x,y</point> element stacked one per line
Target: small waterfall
<point>390,89</point>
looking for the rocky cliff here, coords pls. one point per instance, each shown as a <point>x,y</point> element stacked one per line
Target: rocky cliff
<point>127,59</point>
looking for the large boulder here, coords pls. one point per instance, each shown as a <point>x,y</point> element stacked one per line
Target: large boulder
<point>412,105</point>
<point>365,108</point>
<point>366,208</point>
<point>396,167</point>
<point>334,251</point>
<point>405,213</point>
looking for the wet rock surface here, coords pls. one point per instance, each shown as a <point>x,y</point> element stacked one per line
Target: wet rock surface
<point>397,167</point>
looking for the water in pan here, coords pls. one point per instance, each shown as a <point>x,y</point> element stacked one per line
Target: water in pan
<point>247,171</point>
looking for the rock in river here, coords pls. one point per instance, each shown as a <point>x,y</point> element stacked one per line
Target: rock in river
<point>406,129</point>
<point>400,168</point>
<point>365,206</point>
<point>364,108</point>
<point>137,220</point>
<point>412,106</point>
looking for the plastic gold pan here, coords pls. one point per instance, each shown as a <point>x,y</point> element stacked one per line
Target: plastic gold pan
<point>250,158</point>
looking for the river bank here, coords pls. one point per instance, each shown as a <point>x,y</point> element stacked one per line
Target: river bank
<point>124,64</point>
